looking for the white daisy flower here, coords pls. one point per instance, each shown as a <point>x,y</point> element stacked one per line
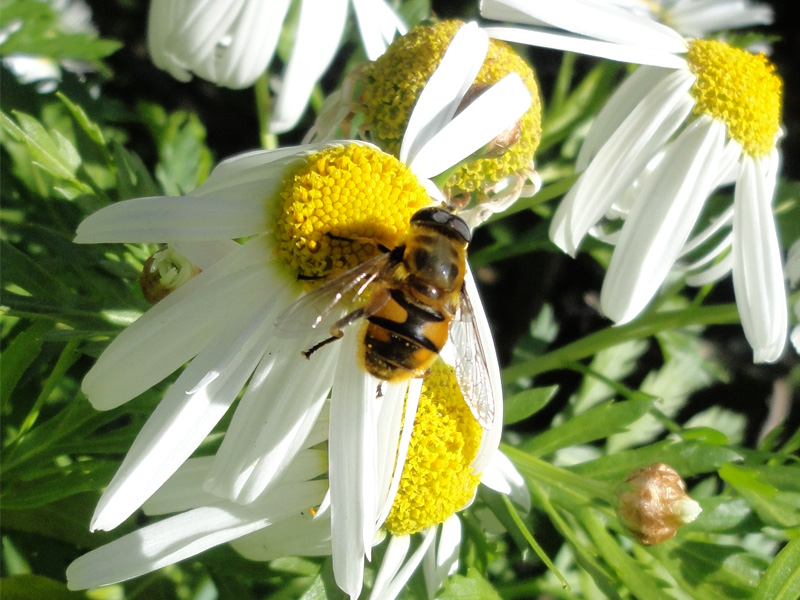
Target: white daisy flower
<point>665,141</point>
<point>293,517</point>
<point>380,96</point>
<point>231,43</point>
<point>309,212</point>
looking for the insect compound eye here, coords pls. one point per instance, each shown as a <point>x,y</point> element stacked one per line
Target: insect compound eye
<point>445,221</point>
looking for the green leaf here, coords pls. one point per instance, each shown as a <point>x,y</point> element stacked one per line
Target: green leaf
<point>781,580</point>
<point>722,514</point>
<point>775,507</point>
<point>324,586</point>
<point>473,586</point>
<point>36,587</point>
<point>711,571</point>
<point>89,127</point>
<point>594,424</point>
<point>527,403</point>
<point>19,355</point>
<point>133,178</point>
<point>642,584</point>
<point>52,152</point>
<point>688,458</point>
<point>87,476</point>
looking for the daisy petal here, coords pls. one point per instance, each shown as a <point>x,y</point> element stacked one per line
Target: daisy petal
<point>299,535</point>
<point>179,326</point>
<point>569,43</point>
<point>622,160</point>
<point>188,412</point>
<point>390,586</point>
<point>592,19</point>
<point>321,26</point>
<point>757,271</point>
<point>185,535</point>
<point>444,559</point>
<point>486,117</point>
<point>662,219</point>
<point>377,23</point>
<point>352,468</point>
<point>445,89</point>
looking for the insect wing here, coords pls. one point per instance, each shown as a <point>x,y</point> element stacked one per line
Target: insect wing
<point>317,309</point>
<point>472,368</point>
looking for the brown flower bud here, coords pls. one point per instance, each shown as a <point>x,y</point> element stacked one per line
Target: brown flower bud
<point>505,139</point>
<point>653,504</point>
<point>164,272</point>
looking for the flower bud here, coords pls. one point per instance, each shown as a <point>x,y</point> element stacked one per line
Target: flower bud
<point>164,272</point>
<point>653,504</point>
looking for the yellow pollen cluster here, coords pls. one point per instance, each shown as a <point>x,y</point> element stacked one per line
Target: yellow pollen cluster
<point>740,88</point>
<point>339,204</point>
<point>395,80</point>
<point>437,478</point>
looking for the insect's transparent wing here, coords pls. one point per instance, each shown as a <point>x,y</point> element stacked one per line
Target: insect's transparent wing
<point>472,369</point>
<point>322,307</point>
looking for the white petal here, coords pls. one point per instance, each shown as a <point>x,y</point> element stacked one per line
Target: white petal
<point>205,254</point>
<point>377,23</point>
<point>396,552</point>
<point>439,99</point>
<point>757,271</point>
<point>486,117</point>
<point>393,440</point>
<point>352,467</point>
<point>191,408</point>
<point>273,419</point>
<point>185,535</point>
<point>319,32</point>
<point>622,159</point>
<point>299,535</point>
<point>569,43</point>
<point>167,219</point>
<point>178,327</point>
<point>661,220</point>
<point>443,561</point>
<point>503,477</point>
<point>593,19</point>
<point>388,588</point>
<point>616,110</point>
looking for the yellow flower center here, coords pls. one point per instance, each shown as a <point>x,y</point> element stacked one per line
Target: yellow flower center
<point>395,80</point>
<point>339,204</point>
<point>437,478</point>
<point>740,88</point>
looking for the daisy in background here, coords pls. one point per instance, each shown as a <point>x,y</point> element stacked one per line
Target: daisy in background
<point>232,42</point>
<point>663,144</point>
<point>377,100</point>
<point>416,507</point>
<point>295,205</point>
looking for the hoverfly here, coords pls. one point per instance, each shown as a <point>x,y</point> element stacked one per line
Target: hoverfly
<point>417,299</point>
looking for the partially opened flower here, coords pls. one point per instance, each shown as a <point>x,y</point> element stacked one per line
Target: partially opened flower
<point>293,517</point>
<point>309,212</point>
<point>232,42</point>
<point>381,96</point>
<point>665,141</point>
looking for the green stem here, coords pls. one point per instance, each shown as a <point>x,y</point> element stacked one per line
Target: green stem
<point>65,361</point>
<point>722,314</point>
<point>547,193</point>
<point>263,110</point>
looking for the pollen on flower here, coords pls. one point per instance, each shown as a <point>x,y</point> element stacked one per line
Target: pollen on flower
<point>339,204</point>
<point>395,81</point>
<point>437,479</point>
<point>740,88</point>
